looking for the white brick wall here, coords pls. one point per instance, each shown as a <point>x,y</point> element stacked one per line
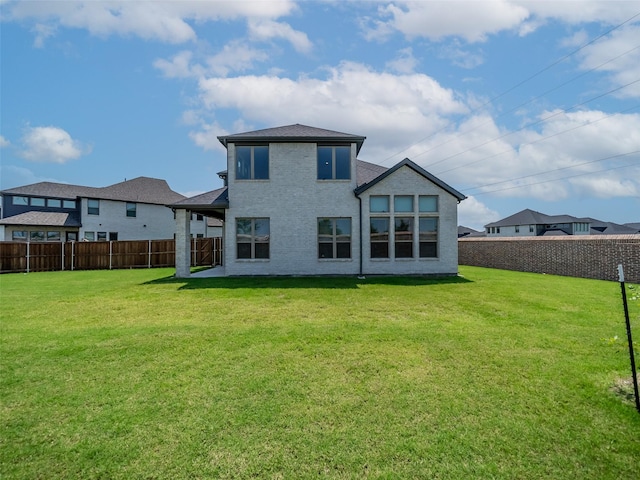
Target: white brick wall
<point>407,182</point>
<point>293,199</point>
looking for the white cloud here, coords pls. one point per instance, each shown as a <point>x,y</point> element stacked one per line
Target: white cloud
<point>572,154</point>
<point>472,20</point>
<point>621,46</point>
<point>474,214</point>
<point>4,142</point>
<point>263,29</point>
<point>351,97</point>
<point>475,20</point>
<point>164,21</point>
<point>404,62</point>
<point>51,144</point>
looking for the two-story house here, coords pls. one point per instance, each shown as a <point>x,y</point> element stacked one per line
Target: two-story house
<point>297,201</point>
<point>130,210</point>
<point>529,223</point>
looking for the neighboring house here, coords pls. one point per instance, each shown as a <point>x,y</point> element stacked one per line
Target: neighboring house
<point>296,201</point>
<point>130,210</point>
<point>529,223</point>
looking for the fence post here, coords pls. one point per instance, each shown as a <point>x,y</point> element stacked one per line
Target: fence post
<point>149,256</point>
<point>28,259</point>
<point>110,255</point>
<point>62,255</point>
<point>73,256</point>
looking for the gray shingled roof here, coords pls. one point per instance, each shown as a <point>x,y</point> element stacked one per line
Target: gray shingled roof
<point>43,219</point>
<point>214,199</point>
<point>531,217</point>
<point>293,133</point>
<point>416,168</point>
<point>140,190</point>
<point>366,172</point>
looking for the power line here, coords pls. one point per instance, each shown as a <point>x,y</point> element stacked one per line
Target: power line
<point>542,120</point>
<point>586,124</point>
<point>522,82</point>
<point>559,179</point>
<point>526,103</point>
<point>555,170</point>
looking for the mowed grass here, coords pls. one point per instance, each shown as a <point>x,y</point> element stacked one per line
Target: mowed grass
<point>134,374</point>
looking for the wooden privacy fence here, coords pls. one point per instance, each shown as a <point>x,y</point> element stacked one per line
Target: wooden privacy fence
<point>54,256</point>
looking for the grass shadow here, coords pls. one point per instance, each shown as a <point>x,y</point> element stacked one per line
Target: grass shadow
<point>328,282</point>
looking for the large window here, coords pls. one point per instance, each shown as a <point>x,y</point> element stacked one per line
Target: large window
<point>54,202</point>
<point>131,209</point>
<point>410,224</point>
<point>37,202</point>
<point>20,200</point>
<point>334,238</point>
<point>93,206</point>
<point>252,238</point>
<point>379,229</point>
<point>334,163</point>
<point>252,162</point>
<point>53,236</point>
<point>19,236</point>
<point>36,236</point>
<point>68,204</point>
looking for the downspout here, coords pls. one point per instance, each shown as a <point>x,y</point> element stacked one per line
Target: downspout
<point>361,275</point>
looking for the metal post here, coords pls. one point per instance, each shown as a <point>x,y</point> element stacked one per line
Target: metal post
<point>28,257</point>
<point>631,354</point>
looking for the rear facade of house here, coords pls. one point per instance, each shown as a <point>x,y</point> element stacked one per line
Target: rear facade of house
<point>297,201</point>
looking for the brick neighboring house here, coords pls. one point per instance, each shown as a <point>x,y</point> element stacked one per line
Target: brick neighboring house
<point>529,223</point>
<point>130,210</point>
<point>297,201</point>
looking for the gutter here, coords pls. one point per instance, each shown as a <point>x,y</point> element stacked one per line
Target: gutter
<point>361,275</point>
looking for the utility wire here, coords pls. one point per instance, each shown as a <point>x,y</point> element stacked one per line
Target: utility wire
<point>519,84</point>
<point>553,171</point>
<point>525,103</point>
<point>542,120</point>
<point>586,124</point>
<point>558,179</point>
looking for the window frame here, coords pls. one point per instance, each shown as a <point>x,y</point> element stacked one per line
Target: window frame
<point>383,239</point>
<point>93,206</point>
<point>335,240</point>
<point>335,159</point>
<point>253,240</point>
<point>428,237</point>
<point>252,162</point>
<point>131,209</point>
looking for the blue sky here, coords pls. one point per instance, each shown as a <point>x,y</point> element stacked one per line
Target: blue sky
<point>517,104</point>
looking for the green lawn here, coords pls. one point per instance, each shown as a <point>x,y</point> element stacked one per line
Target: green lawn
<point>133,374</point>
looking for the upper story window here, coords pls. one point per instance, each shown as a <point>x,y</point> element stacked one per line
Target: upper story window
<point>20,200</point>
<point>334,163</point>
<point>131,209</point>
<point>37,202</point>
<point>68,204</point>
<point>93,206</point>
<point>252,162</point>
<point>54,202</point>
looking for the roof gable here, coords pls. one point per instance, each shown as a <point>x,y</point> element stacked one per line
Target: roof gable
<point>416,168</point>
<point>293,133</point>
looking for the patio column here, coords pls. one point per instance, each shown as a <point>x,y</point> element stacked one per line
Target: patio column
<point>183,243</point>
